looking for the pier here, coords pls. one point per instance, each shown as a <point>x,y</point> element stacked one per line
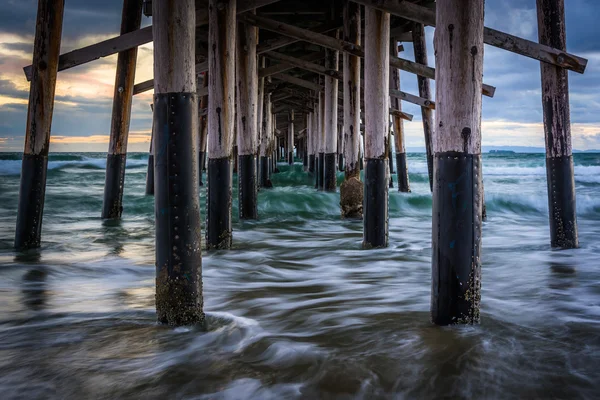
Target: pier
<point>250,83</point>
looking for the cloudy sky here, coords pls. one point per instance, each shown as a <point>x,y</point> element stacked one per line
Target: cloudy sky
<point>84,94</point>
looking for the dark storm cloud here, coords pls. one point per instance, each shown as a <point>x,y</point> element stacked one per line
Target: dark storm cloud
<point>81,17</point>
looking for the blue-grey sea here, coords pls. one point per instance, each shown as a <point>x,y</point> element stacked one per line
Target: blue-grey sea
<point>297,309</point>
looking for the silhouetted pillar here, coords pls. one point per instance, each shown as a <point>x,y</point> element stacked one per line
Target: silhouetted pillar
<point>121,115</point>
<point>557,129</point>
<point>377,56</point>
<point>177,209</point>
<point>457,190</point>
<point>34,167</point>
<point>221,115</point>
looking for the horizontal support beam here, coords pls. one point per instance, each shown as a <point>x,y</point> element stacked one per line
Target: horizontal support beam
<point>298,82</point>
<point>341,45</point>
<point>284,66</point>
<point>133,39</point>
<point>495,38</point>
<point>319,69</point>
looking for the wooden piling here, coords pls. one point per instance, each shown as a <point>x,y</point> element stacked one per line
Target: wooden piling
<point>221,114</point>
<point>34,167</point>
<point>247,108</point>
<point>260,118</point>
<point>457,189</point>
<point>420,49</point>
<point>290,138</point>
<point>557,129</point>
<point>340,147</point>
<point>264,145</point>
<point>351,190</point>
<point>121,114</point>
<point>177,209</point>
<point>150,171</point>
<point>321,162</point>
<point>330,122</point>
<point>377,38</point>
<point>401,166</point>
<point>203,129</point>
<point>309,144</point>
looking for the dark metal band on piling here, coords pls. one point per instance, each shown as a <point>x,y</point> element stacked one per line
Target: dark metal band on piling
<point>31,201</point>
<point>311,164</point>
<point>456,239</point>
<point>201,162</point>
<point>321,172</point>
<point>150,176</point>
<point>218,221</point>
<point>341,162</point>
<point>330,172</point>
<point>561,202</point>
<point>375,203</point>
<point>402,172</point>
<point>247,186</point>
<point>177,211</point>
<point>291,158</point>
<point>265,167</point>
<point>113,186</point>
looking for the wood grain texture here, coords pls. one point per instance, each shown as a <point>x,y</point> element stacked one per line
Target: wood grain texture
<point>395,102</point>
<point>420,50</point>
<point>247,89</point>
<point>267,126</point>
<point>458,43</point>
<point>331,102</point>
<point>46,50</point>
<point>174,39</point>
<point>221,77</point>
<point>351,89</point>
<point>125,77</point>
<point>555,80</point>
<point>377,38</point>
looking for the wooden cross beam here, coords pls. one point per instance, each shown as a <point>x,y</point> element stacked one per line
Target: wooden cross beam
<point>341,45</point>
<point>283,66</point>
<point>492,37</point>
<point>260,49</point>
<point>319,69</point>
<point>133,39</point>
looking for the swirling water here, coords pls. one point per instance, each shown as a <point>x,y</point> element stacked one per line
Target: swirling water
<point>297,310</point>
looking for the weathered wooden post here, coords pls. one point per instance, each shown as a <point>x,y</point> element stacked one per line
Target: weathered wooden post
<point>34,167</point>
<point>150,171</point>
<point>311,138</point>
<point>247,108</point>
<point>340,149</point>
<point>121,114</point>
<point>420,49</point>
<point>321,163</point>
<point>457,190</point>
<point>377,55</point>
<point>557,129</point>
<point>305,150</point>
<point>264,144</point>
<point>351,190</point>
<point>388,145</point>
<point>330,122</point>
<point>290,138</point>
<point>177,209</point>
<point>401,167</point>
<point>259,119</point>
<point>203,130</point>
<point>221,115</point>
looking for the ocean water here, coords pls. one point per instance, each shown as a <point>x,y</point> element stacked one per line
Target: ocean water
<point>297,310</point>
